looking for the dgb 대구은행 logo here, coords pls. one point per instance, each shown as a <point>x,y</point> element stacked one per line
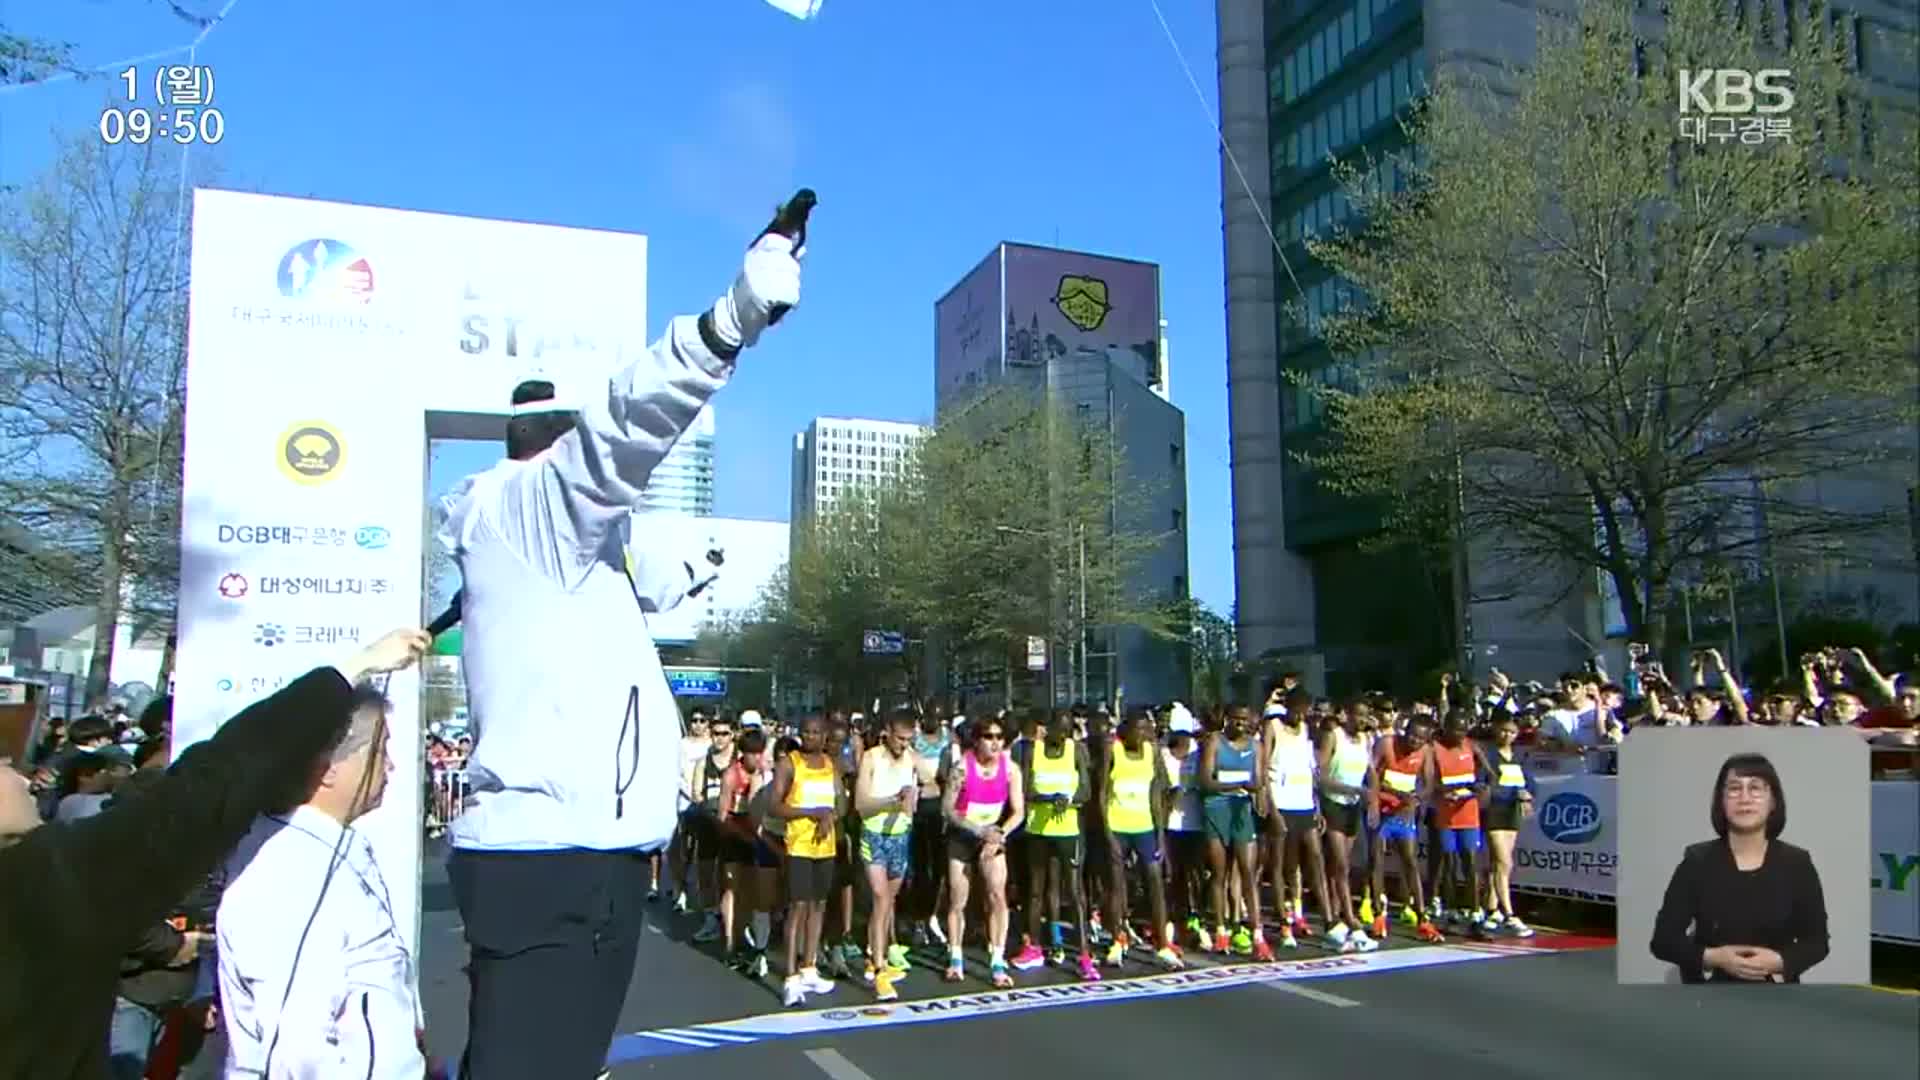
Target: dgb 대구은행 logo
<point>311,452</point>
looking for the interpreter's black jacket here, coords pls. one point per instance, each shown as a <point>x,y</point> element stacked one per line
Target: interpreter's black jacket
<point>1711,902</point>
<point>75,898</point>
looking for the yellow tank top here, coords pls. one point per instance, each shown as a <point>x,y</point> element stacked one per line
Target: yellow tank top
<point>813,789</point>
<point>890,775</point>
<point>1054,776</point>
<point>1130,791</point>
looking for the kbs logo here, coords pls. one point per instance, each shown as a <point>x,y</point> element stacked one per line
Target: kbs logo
<point>1735,92</point>
<point>1570,818</point>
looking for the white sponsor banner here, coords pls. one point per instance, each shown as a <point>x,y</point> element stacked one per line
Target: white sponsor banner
<point>325,341</point>
<point>1569,845</point>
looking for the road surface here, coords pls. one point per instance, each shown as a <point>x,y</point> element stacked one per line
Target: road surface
<point>1454,1011</point>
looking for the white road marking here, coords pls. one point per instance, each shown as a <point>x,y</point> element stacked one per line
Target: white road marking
<point>836,1066</point>
<point>1308,992</point>
<point>681,1039</point>
<point>653,929</point>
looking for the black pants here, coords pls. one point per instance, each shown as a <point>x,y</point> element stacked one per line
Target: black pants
<point>552,938</point>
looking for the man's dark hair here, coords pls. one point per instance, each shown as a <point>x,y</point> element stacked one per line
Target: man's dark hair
<point>1755,767</point>
<point>752,741</point>
<point>530,433</point>
<point>88,728</point>
<point>157,718</point>
<point>147,751</point>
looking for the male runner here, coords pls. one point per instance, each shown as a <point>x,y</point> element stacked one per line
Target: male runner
<point>845,745</point>
<point>885,796</point>
<point>1456,773</point>
<point>1186,834</point>
<point>709,778</point>
<point>1056,788</point>
<point>1396,786</point>
<point>1294,823</point>
<point>741,879</point>
<point>807,796</point>
<point>1137,787</point>
<point>680,854</point>
<point>1233,775</point>
<point>926,878</point>
<point>1343,758</point>
<point>985,800</point>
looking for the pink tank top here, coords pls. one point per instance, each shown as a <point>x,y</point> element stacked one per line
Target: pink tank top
<point>983,799</point>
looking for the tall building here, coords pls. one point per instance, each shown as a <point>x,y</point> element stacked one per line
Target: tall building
<point>836,454</point>
<point>1300,79</point>
<point>683,481</point>
<point>1087,330</point>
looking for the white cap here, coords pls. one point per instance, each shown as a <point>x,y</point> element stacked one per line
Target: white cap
<point>750,718</point>
<point>1182,720</point>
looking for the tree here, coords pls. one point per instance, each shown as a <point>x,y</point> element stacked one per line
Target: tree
<point>92,377</point>
<point>1214,650</point>
<point>1590,346</point>
<point>27,59</point>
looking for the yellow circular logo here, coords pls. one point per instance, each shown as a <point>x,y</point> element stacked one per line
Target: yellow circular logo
<point>311,452</point>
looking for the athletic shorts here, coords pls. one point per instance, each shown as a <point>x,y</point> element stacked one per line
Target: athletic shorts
<point>1300,821</point>
<point>765,855</point>
<point>1229,820</point>
<point>1144,845</point>
<point>1344,818</point>
<point>1071,850</point>
<point>703,832</point>
<point>1398,828</point>
<point>735,849</point>
<point>846,862</point>
<point>1187,847</point>
<point>1503,816</point>
<point>1455,841</point>
<point>809,879</point>
<point>887,851</point>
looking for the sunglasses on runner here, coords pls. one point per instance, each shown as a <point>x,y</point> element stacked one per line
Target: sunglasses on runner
<point>996,736</point>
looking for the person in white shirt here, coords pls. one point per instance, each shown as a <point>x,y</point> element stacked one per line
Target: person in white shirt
<point>315,980</point>
<point>576,755</point>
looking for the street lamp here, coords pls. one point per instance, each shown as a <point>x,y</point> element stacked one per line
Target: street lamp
<point>1080,539</point>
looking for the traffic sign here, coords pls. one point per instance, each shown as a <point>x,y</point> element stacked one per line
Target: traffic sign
<point>883,642</point>
<point>1036,653</point>
<point>690,683</point>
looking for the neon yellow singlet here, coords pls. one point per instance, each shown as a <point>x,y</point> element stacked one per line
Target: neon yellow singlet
<point>1054,776</point>
<point>813,789</point>
<point>1130,791</point>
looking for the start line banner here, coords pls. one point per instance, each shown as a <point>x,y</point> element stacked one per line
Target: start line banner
<point>1569,845</point>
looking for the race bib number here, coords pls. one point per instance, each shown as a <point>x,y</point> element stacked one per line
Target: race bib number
<point>817,794</point>
<point>983,813</point>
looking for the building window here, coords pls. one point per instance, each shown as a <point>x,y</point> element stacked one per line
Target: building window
<point>1179,585</point>
<point>1348,40</point>
<point>1363,12</point>
<point>1173,454</point>
<point>1179,520</point>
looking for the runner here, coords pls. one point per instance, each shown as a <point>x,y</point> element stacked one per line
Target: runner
<point>808,797</point>
<point>1097,872</point>
<point>709,777</point>
<point>680,851</point>
<point>740,874</point>
<point>1233,775</point>
<point>1186,836</point>
<point>926,877</point>
<point>1342,761</point>
<point>1395,789</point>
<point>1137,789</point>
<point>844,960</point>
<point>1508,804</point>
<point>1456,773</point>
<point>1294,821</point>
<point>886,796</point>
<point>984,801</point>
<point>1056,788</point>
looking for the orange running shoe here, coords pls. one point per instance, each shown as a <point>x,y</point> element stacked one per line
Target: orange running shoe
<point>1262,951</point>
<point>1429,934</point>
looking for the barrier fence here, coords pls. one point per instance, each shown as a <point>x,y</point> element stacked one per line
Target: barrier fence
<point>446,794</point>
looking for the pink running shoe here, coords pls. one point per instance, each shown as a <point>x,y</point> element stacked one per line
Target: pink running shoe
<point>1028,958</point>
<point>1089,971</point>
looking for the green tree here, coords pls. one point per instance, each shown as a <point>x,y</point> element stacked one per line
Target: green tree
<point>93,291</point>
<point>1589,345</point>
<point>28,59</point>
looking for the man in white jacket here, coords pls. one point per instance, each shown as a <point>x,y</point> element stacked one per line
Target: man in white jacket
<point>576,752</point>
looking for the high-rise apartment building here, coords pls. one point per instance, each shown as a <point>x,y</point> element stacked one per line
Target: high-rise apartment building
<point>683,481</point>
<point>1301,80</point>
<point>837,454</point>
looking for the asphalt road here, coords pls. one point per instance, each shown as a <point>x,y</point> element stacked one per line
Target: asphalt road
<point>1546,1014</point>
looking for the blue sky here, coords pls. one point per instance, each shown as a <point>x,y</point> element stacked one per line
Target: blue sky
<point>931,130</point>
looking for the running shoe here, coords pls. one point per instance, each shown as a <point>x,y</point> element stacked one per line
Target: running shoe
<point>956,970</point>
<point>868,974</point>
<point>1056,957</point>
<point>1096,932</point>
<point>851,958</point>
<point>1360,942</point>
<point>1222,941</point>
<point>1495,920</point>
<point>709,931</point>
<point>680,904</point>
<point>1197,929</point>
<point>1429,934</point>
<point>1478,918</point>
<point>654,895</point>
<point>1435,909</point>
<point>1242,942</point>
<point>1117,952</point>
<point>1410,915</point>
<point>883,987</point>
<point>1262,951</point>
<point>1170,959</point>
<point>1366,909</point>
<point>1029,957</point>
<point>757,966</point>
<point>1380,927</point>
<point>1089,971</point>
<point>1000,977</point>
<point>1519,929</point>
<point>796,992</point>
<point>897,958</point>
<point>814,983</point>
<point>737,960</point>
<point>1339,934</point>
<point>1287,940</point>
<point>1299,925</point>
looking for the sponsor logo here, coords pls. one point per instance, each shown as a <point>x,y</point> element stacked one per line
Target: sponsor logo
<point>233,586</point>
<point>1082,300</point>
<point>839,1015</point>
<point>319,586</point>
<point>273,635</point>
<point>1570,818</point>
<point>318,535</point>
<point>325,270</point>
<point>254,685</point>
<point>876,1013</point>
<point>269,634</point>
<point>372,537</point>
<point>1898,870</point>
<point>311,452</point>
